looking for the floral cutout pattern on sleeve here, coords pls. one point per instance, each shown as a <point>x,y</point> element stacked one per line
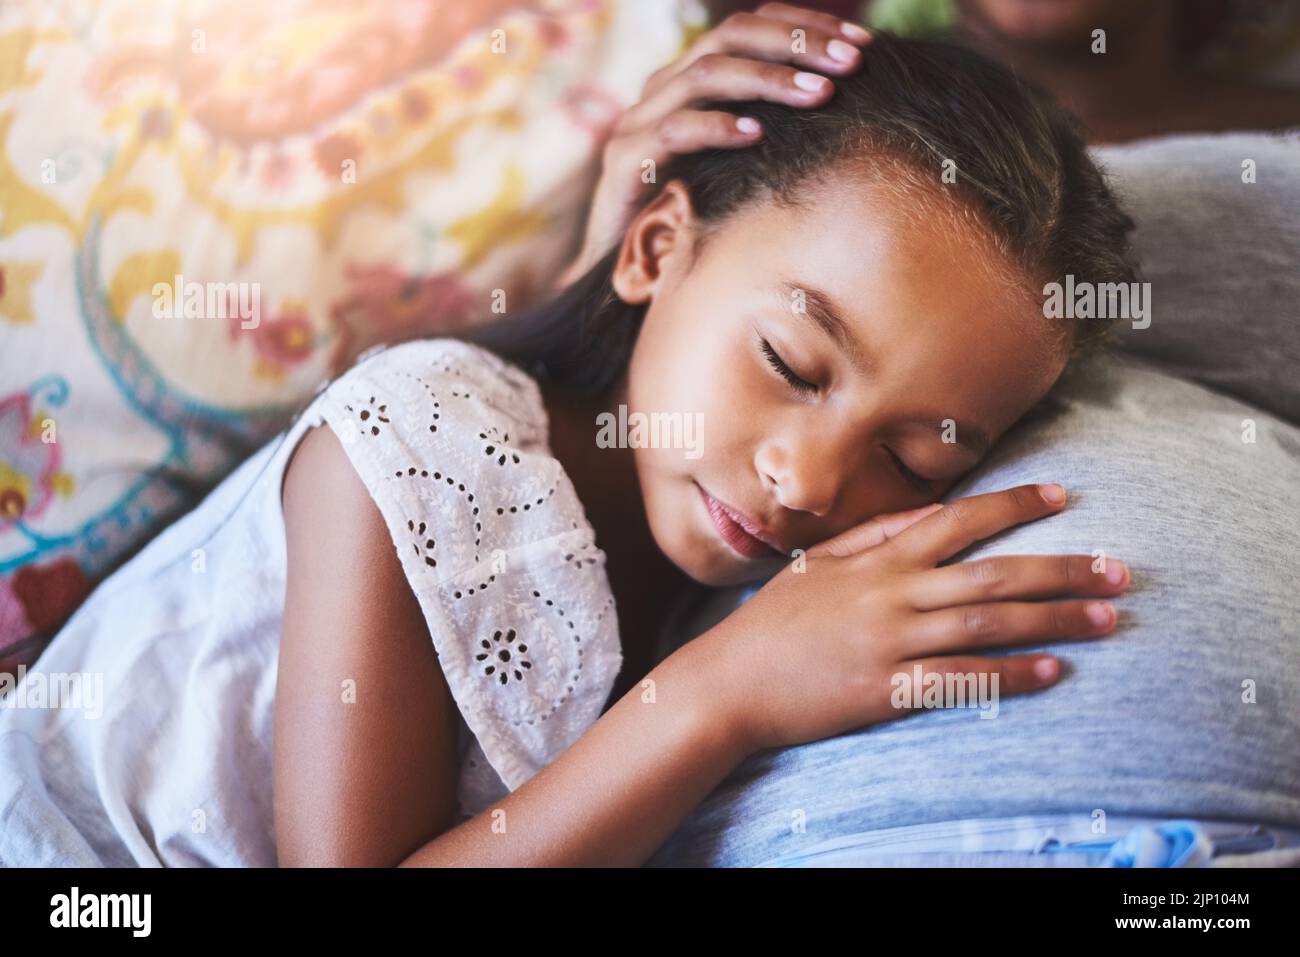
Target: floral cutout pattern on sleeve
<point>452,443</point>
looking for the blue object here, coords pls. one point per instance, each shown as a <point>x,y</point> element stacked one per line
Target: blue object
<point>1172,844</point>
<point>1180,843</point>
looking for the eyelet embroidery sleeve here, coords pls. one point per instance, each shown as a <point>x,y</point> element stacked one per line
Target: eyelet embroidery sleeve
<point>451,442</point>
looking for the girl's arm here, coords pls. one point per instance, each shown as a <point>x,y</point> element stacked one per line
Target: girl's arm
<point>365,762</point>
<point>365,737</point>
<point>619,791</point>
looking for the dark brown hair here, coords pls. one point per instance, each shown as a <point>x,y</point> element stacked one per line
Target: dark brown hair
<point>1021,164</point>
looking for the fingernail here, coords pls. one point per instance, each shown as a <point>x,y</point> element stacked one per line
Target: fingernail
<point>1116,572</point>
<point>809,81</point>
<point>1052,494</point>
<point>1100,613</point>
<point>747,125</point>
<point>855,32</point>
<point>839,50</point>
<point>1046,668</point>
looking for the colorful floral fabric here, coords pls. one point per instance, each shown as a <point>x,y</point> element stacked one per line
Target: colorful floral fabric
<point>363,173</point>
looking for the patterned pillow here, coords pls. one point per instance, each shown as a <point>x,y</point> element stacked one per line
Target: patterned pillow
<point>207,208</point>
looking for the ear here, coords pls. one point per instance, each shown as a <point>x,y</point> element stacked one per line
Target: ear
<point>662,231</point>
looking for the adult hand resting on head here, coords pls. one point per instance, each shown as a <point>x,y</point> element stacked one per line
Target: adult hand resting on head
<point>748,56</point>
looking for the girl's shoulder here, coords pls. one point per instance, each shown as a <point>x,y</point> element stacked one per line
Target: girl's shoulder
<point>421,368</point>
<point>446,434</point>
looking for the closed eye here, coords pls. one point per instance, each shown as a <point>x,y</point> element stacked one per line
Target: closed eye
<point>784,371</point>
<point>920,484</point>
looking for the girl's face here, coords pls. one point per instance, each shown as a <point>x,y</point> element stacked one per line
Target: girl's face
<point>820,365</point>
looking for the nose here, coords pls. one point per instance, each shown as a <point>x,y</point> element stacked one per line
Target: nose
<point>803,477</point>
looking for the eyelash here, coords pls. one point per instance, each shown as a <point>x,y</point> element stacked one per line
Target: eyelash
<point>805,387</point>
<point>802,386</point>
<point>920,484</point>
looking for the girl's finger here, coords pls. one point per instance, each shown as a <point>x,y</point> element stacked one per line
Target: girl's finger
<point>720,77</point>
<point>1006,577</point>
<point>871,533</point>
<point>750,36</point>
<point>962,523</point>
<point>1014,674</point>
<point>996,624</point>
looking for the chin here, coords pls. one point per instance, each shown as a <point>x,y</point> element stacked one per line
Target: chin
<point>715,574</point>
<point>708,561</point>
<point>719,575</point>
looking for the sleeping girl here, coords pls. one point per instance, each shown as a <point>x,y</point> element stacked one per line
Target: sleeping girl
<point>414,628</point>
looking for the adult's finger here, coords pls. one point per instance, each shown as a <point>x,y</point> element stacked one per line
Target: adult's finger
<point>764,38</point>
<point>718,76</point>
<point>826,22</point>
<point>685,131</point>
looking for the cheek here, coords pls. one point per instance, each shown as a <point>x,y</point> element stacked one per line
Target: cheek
<point>870,490</point>
<point>690,365</point>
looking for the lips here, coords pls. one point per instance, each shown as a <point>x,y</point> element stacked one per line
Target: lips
<point>738,530</point>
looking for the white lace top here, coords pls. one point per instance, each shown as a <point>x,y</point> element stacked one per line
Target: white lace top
<point>452,444</point>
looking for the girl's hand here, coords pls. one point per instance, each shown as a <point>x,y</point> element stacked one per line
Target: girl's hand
<point>748,56</point>
<point>815,654</point>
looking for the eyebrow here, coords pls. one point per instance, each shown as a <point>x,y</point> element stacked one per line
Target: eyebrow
<point>821,308</point>
<point>824,313</point>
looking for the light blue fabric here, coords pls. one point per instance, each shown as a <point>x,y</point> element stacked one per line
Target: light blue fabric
<point>1046,841</point>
